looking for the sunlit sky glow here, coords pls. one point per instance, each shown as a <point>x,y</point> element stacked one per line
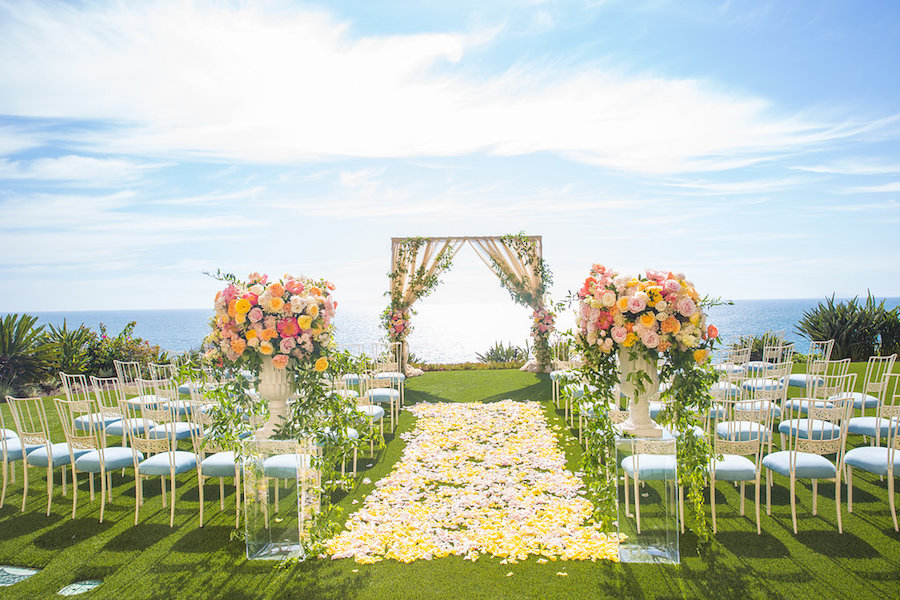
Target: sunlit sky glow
<point>753,145</point>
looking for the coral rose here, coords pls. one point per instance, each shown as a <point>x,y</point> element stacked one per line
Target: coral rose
<point>321,364</point>
<point>280,361</point>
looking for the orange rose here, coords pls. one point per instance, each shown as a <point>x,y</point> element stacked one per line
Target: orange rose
<point>268,334</point>
<point>321,364</point>
<point>276,289</point>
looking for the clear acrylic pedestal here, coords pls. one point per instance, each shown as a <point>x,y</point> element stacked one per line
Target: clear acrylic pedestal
<point>648,513</point>
<point>281,493</point>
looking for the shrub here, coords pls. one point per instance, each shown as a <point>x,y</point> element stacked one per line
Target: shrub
<point>889,332</point>
<point>757,343</point>
<point>853,326</point>
<point>498,353</point>
<point>103,350</point>
<point>70,348</point>
<point>25,357</point>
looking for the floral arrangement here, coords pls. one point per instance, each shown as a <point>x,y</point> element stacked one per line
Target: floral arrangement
<point>542,325</point>
<point>658,311</point>
<point>657,315</point>
<point>289,320</point>
<point>397,323</point>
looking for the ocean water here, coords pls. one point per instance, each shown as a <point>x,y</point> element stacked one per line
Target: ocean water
<point>441,332</point>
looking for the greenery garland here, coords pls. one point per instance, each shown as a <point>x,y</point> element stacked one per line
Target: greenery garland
<point>543,316</point>
<point>660,317</point>
<point>317,412</point>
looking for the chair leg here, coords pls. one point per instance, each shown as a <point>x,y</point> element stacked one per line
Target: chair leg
<point>794,502</point>
<point>162,483</point>
<point>758,522</point>
<point>849,489</point>
<point>138,495</point>
<point>25,479</point>
<point>5,468</point>
<point>50,485</point>
<point>200,492</point>
<point>768,494</point>
<point>837,501</point>
<point>815,487</point>
<point>627,507</point>
<point>75,490</point>
<point>891,500</point>
<point>637,503</point>
<point>103,489</point>
<point>172,507</point>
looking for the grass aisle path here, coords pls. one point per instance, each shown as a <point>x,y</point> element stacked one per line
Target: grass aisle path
<point>476,479</point>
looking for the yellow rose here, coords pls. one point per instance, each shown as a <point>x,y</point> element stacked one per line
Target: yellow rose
<point>305,321</point>
<point>321,364</point>
<point>630,339</point>
<point>622,303</point>
<point>242,306</point>
<point>647,320</point>
<point>276,304</point>
<point>250,334</point>
<point>266,348</point>
<point>695,318</point>
<point>240,317</point>
<point>313,310</point>
<point>700,356</point>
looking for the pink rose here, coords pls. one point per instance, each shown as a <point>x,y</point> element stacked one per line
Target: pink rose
<point>686,307</point>
<point>255,314</point>
<point>672,286</point>
<point>286,345</point>
<point>636,303</point>
<point>619,334</point>
<point>280,361</point>
<point>650,339</point>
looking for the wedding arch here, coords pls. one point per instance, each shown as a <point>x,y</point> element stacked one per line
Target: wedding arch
<point>516,259</point>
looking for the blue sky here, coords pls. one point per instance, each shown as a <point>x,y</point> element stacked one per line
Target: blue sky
<point>753,145</point>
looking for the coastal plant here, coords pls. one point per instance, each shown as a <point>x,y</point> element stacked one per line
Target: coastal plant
<point>889,332</point>
<point>70,347</point>
<point>853,325</point>
<point>657,317</point>
<point>501,353</point>
<point>757,343</point>
<point>25,355</point>
<point>104,348</point>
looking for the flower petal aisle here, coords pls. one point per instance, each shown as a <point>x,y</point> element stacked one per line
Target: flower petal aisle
<point>476,479</point>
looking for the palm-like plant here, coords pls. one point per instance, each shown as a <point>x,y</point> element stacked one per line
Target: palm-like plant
<point>852,325</point>
<point>70,347</point>
<point>500,353</point>
<point>25,357</point>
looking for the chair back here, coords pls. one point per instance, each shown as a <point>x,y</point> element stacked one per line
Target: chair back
<point>878,371</point>
<point>90,435</point>
<point>201,419</point>
<point>730,431</point>
<point>76,387</point>
<point>819,350</point>
<point>143,416</point>
<point>890,412</point>
<point>108,396</point>
<point>822,416</point>
<point>30,418</point>
<point>831,381</point>
<point>735,356</point>
<point>128,374</point>
<point>162,371</point>
<point>387,357</point>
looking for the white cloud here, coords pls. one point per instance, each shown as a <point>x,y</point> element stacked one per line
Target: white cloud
<point>14,139</point>
<point>852,167</point>
<point>891,187</point>
<point>83,170</point>
<point>276,83</point>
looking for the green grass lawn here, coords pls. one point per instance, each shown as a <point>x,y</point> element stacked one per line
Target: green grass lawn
<point>151,560</point>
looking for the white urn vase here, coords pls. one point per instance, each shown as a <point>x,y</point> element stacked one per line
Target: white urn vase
<point>275,387</point>
<point>639,423</point>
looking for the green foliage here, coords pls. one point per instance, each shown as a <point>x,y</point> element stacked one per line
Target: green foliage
<point>500,353</point>
<point>25,356</point>
<point>71,348</point>
<point>854,326</point>
<point>103,350</point>
<point>757,343</point>
<point>889,332</point>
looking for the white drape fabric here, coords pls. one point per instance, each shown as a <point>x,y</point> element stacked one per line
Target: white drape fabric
<point>520,273</point>
<point>427,258</point>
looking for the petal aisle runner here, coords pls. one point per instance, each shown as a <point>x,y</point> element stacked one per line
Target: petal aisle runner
<point>476,479</point>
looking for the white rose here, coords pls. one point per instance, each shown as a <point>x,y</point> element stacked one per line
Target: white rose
<point>661,306</point>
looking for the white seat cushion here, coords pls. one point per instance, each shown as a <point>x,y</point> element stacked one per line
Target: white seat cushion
<point>873,459</point>
<point>220,464</point>
<point>115,457</point>
<point>286,466</point>
<point>383,395</point>
<point>742,431</point>
<point>871,426</point>
<point>804,428</point>
<point>38,456</point>
<point>179,429</point>
<point>733,467</point>
<point>158,464</point>
<point>650,466</point>
<point>808,465</point>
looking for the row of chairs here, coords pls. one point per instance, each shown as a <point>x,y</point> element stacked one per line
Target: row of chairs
<point>752,398</point>
<point>150,425</point>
